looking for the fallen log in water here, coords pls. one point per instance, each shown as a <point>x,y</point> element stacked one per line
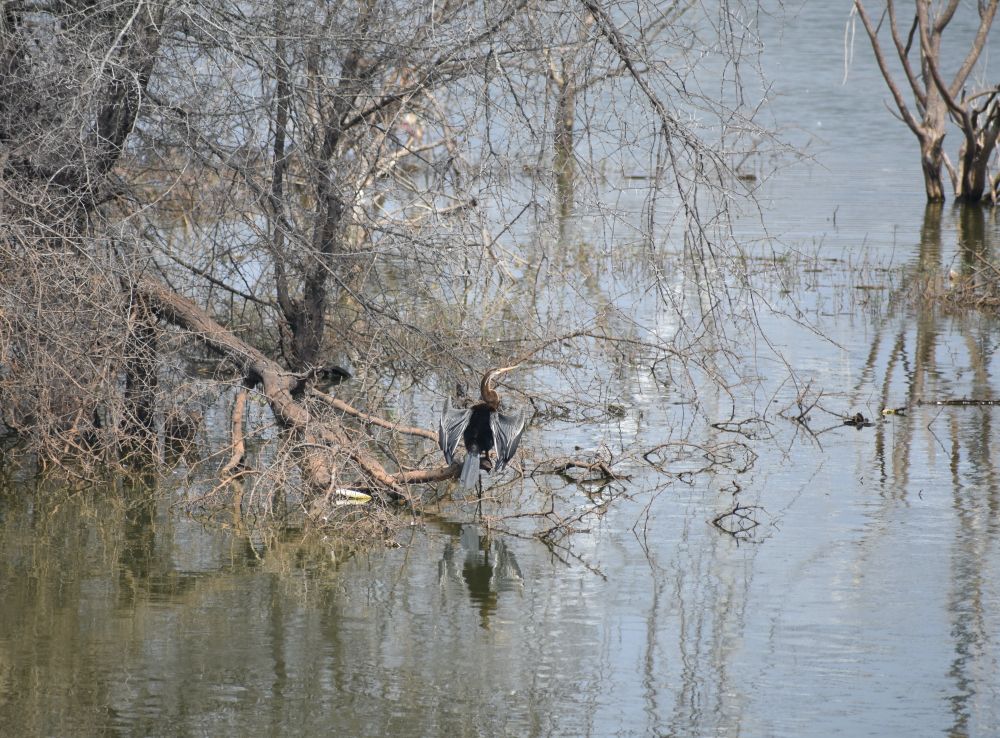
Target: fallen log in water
<point>960,402</point>
<point>324,441</point>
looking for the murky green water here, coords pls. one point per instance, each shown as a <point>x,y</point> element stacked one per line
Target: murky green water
<point>865,602</point>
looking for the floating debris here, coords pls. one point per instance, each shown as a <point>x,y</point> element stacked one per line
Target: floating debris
<point>858,421</point>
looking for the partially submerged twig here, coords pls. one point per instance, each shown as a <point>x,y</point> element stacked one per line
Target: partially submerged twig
<point>560,466</point>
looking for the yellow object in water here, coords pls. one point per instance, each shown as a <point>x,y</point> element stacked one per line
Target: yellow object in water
<point>351,496</point>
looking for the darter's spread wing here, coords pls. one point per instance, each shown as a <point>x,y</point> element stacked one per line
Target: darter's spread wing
<point>451,426</point>
<point>507,430</point>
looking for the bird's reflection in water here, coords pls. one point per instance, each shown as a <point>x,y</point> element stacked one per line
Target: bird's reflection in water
<point>485,564</point>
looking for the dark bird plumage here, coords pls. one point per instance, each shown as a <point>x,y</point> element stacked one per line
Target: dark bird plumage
<point>482,428</point>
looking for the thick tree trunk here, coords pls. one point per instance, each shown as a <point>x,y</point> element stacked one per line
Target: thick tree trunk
<point>932,160</point>
<point>972,176</point>
<point>140,380</point>
<point>563,140</point>
<point>974,159</point>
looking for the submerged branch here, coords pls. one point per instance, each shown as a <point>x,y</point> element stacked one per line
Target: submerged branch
<point>561,466</point>
<point>238,441</point>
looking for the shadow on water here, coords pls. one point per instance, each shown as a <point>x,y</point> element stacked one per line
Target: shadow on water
<point>921,353</point>
<point>145,571</point>
<point>910,351</point>
<point>976,505</point>
<point>483,563</point>
<point>111,607</point>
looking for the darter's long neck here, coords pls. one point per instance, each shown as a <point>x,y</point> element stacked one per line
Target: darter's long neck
<point>490,396</point>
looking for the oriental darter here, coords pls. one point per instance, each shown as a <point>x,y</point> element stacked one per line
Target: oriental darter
<point>483,428</point>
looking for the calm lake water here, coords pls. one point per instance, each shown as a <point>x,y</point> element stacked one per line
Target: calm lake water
<point>866,601</point>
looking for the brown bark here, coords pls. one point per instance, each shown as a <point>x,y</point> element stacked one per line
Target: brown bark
<point>931,160</point>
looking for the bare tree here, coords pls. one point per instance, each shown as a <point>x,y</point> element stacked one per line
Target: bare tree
<point>936,98</point>
<point>293,185</point>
